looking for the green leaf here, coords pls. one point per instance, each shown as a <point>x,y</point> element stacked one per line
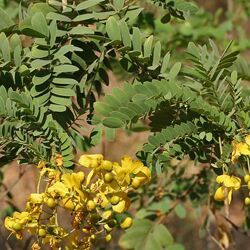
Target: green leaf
<point>63,91</point>
<point>137,39</point>
<point>136,234</point>
<point>166,18</point>
<point>148,46</point>
<point>64,81</point>
<point>175,70</point>
<point>58,17</point>
<point>157,54</point>
<point>37,80</point>
<point>5,47</point>
<point>113,30</point>
<point>176,246</point>
<point>60,100</point>
<point>45,8</point>
<point>118,4</point>
<point>57,108</point>
<point>104,76</point>
<point>39,24</point>
<point>88,4</point>
<point>81,30</point>
<point>65,68</point>
<point>162,235</point>
<point>112,122</point>
<point>180,211</point>
<point>209,136</point>
<point>5,21</point>
<point>53,31</point>
<point>126,39</point>
<point>147,235</point>
<point>234,77</point>
<point>165,62</point>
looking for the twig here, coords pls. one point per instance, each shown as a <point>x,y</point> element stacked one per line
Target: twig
<point>64,4</point>
<point>237,228</point>
<point>216,241</point>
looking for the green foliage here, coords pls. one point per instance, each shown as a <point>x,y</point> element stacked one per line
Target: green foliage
<point>148,235</point>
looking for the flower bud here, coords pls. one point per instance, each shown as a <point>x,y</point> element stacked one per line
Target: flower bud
<point>247,178</point>
<point>136,183</point>
<point>107,228</point>
<point>92,238</point>
<point>41,232</point>
<point>220,194</point>
<point>51,203</point>
<point>114,200</point>
<point>247,201</point>
<point>107,165</point>
<point>85,230</point>
<point>108,237</point>
<point>126,223</point>
<point>90,205</point>
<point>108,177</point>
<point>106,214</point>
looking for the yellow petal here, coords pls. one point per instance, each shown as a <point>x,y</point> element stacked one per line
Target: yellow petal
<point>58,188</point>
<point>67,203</point>
<point>8,223</point>
<point>123,204</point>
<point>126,161</point>
<point>232,182</point>
<point>229,196</point>
<point>220,194</point>
<point>120,207</point>
<point>101,199</point>
<point>36,198</point>
<point>247,140</point>
<point>221,178</point>
<point>235,153</point>
<point>91,161</point>
<point>90,176</point>
<point>243,148</point>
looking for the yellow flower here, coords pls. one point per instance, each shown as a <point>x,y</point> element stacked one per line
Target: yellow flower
<point>58,188</point>
<point>58,160</point>
<point>73,182</point>
<point>240,148</point>
<point>91,161</point>
<point>41,165</point>
<point>35,246</point>
<point>123,203</point>
<point>36,198</point>
<point>247,140</point>
<point>129,170</point>
<point>17,222</point>
<point>229,184</point>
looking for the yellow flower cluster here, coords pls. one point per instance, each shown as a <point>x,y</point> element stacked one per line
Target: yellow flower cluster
<point>96,203</point>
<point>229,184</point>
<point>232,183</point>
<point>241,148</point>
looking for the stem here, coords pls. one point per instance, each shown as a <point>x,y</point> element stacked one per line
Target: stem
<point>64,4</point>
<point>38,184</point>
<point>248,165</point>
